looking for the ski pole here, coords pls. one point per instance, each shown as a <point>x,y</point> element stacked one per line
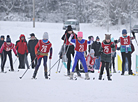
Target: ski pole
<point>60,68</point>
<point>49,66</point>
<point>27,68</point>
<point>52,67</point>
<point>15,61</point>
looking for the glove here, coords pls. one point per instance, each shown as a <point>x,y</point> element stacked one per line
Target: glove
<point>100,52</point>
<point>112,46</point>
<point>71,35</point>
<point>16,55</point>
<point>115,41</point>
<point>133,33</point>
<point>50,57</point>
<point>118,48</point>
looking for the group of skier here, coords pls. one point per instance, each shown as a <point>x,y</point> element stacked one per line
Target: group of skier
<point>99,55</point>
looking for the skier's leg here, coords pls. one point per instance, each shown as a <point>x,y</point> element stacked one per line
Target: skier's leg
<point>26,61</point>
<point>10,58</point>
<point>45,66</point>
<point>4,60</point>
<point>37,67</point>
<point>123,61</point>
<point>129,62</point>
<point>101,70</point>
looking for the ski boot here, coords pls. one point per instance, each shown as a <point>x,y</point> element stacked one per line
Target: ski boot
<point>100,77</point>
<point>131,73</point>
<point>71,75</point>
<point>87,76</point>
<point>114,70</point>
<point>68,72</point>
<point>12,69</point>
<point>78,73</point>
<point>34,75</point>
<point>46,75</point>
<point>109,79</point>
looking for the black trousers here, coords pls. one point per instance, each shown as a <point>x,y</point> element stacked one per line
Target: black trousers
<point>128,56</point>
<point>21,61</point>
<point>1,59</point>
<point>106,65</point>
<point>5,53</point>
<point>112,63</point>
<point>70,51</point>
<point>34,63</point>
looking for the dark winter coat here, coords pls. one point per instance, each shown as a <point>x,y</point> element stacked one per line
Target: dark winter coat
<point>31,46</point>
<point>106,57</point>
<point>96,46</point>
<point>1,42</point>
<point>21,46</point>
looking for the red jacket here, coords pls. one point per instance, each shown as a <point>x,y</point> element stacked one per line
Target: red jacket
<point>21,46</point>
<point>8,48</point>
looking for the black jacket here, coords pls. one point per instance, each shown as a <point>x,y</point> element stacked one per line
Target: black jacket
<point>1,42</point>
<point>96,46</point>
<point>31,46</point>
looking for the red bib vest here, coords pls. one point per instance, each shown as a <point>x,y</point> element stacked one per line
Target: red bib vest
<point>8,48</point>
<point>44,47</point>
<point>67,41</point>
<point>125,41</point>
<point>81,47</point>
<point>106,48</point>
<point>92,60</point>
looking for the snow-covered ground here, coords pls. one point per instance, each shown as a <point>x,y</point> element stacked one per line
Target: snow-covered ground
<point>60,88</point>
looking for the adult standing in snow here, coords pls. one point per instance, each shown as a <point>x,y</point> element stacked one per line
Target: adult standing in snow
<point>31,48</point>
<point>90,46</point>
<point>126,50</point>
<point>6,48</point>
<point>41,50</point>
<point>21,47</point>
<point>96,46</point>
<point>70,48</point>
<point>105,51</point>
<point>1,43</point>
<point>80,47</point>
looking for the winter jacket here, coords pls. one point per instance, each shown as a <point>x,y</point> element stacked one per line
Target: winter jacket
<point>1,42</point>
<point>8,48</point>
<point>106,57</point>
<point>31,46</point>
<point>96,46</point>
<point>21,46</point>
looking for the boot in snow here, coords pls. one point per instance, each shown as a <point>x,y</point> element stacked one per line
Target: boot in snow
<point>34,75</point>
<point>114,71</point>
<point>78,73</point>
<point>46,75</point>
<point>109,79</point>
<point>100,77</point>
<point>71,75</point>
<point>87,76</point>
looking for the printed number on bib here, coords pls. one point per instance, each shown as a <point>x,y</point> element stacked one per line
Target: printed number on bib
<point>44,48</point>
<point>126,41</point>
<point>81,49</point>
<point>106,49</point>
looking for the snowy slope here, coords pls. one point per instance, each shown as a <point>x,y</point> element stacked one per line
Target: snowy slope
<point>59,88</point>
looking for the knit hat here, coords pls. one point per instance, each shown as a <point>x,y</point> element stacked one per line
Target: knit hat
<point>107,36</point>
<point>45,35</point>
<point>69,28</point>
<point>32,34</point>
<point>124,31</point>
<point>80,34</point>
<point>2,37</point>
<point>8,39</point>
<point>97,37</point>
<point>89,37</point>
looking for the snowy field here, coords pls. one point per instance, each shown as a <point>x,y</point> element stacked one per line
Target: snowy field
<point>59,88</point>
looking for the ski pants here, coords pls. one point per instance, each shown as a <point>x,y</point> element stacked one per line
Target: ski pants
<point>26,61</point>
<point>80,56</point>
<point>112,63</point>
<point>21,61</point>
<point>69,53</point>
<point>34,63</point>
<point>5,53</point>
<point>1,59</point>
<point>124,56</point>
<point>102,68</point>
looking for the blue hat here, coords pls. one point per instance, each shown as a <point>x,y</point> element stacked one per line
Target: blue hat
<point>124,31</point>
<point>8,39</point>
<point>97,37</point>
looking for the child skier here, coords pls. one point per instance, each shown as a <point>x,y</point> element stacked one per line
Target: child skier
<point>90,60</point>
<point>126,50</point>
<point>105,50</point>
<point>80,47</point>
<point>7,47</point>
<point>41,50</point>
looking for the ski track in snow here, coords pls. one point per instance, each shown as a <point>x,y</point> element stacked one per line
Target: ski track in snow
<point>59,88</point>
